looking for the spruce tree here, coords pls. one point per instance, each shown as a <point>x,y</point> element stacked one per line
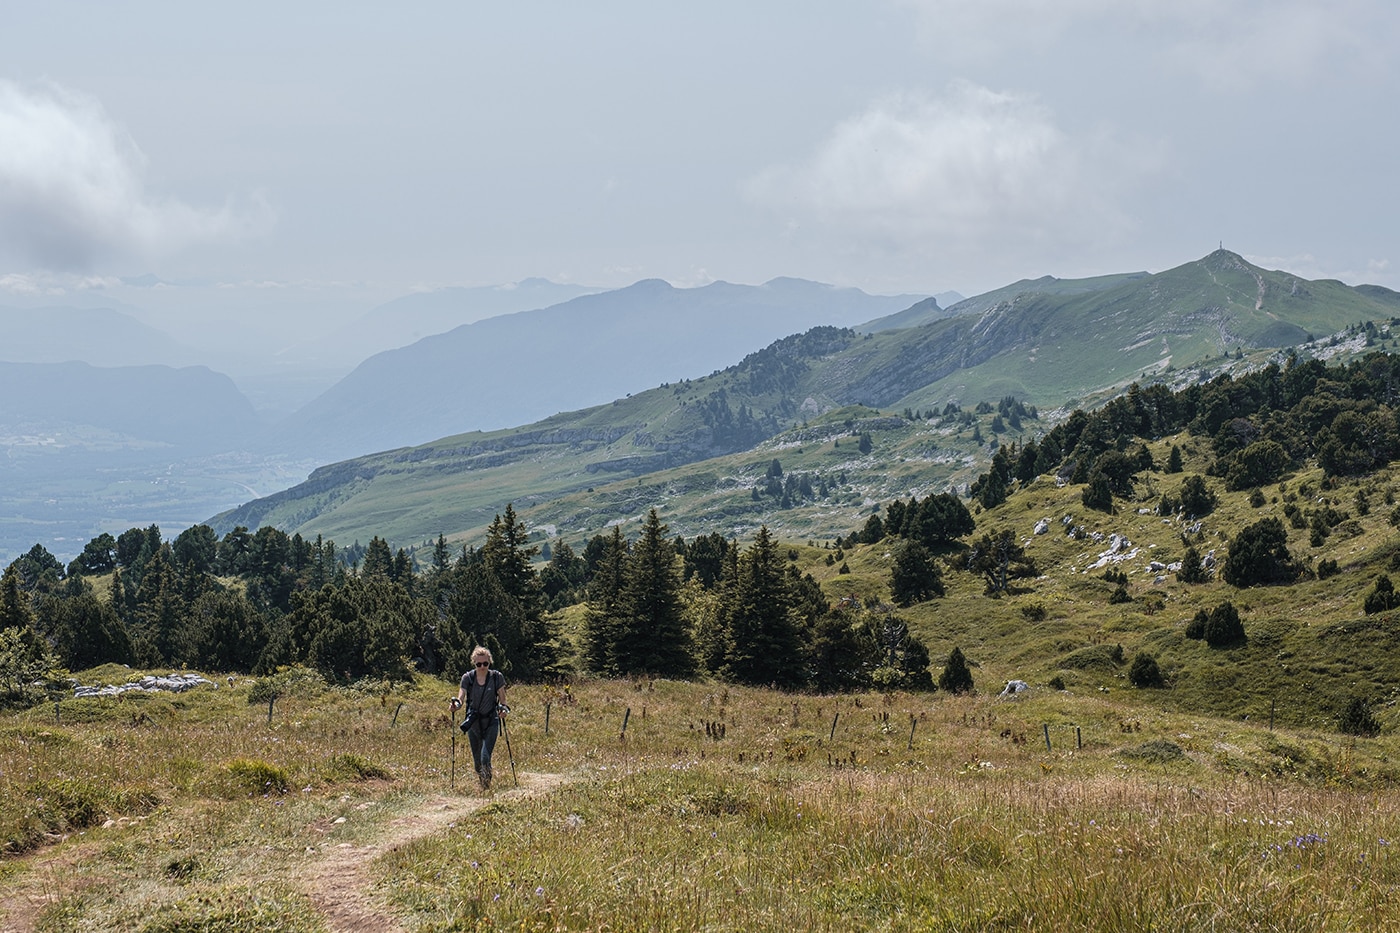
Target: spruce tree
<point>914,577</point>
<point>652,636</point>
<point>603,619</point>
<point>379,560</point>
<point>763,639</point>
<point>956,677</point>
<point>1174,460</point>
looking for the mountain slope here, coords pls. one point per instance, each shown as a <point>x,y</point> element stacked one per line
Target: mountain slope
<point>517,368</point>
<point>410,318</point>
<point>1071,341</point>
<point>1044,347</point>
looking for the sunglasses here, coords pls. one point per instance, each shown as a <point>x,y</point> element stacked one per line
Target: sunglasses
<point>483,663</point>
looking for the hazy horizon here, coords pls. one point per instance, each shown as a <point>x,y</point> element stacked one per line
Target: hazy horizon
<point>285,170</point>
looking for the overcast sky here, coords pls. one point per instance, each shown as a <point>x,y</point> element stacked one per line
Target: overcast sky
<point>361,150</point>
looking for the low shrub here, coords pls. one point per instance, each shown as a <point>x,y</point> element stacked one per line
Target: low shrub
<point>254,776</point>
<point>352,767</point>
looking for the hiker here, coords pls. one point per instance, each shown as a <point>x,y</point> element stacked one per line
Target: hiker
<point>483,691</point>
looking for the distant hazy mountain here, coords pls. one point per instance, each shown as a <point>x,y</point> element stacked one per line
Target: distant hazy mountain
<point>190,409</point>
<point>406,320</point>
<point>518,368</point>
<point>100,336</point>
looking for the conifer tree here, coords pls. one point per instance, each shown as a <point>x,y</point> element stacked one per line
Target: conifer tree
<point>1192,570</point>
<point>14,602</point>
<point>914,576</point>
<point>379,560</point>
<point>763,640</point>
<point>652,637</point>
<point>1174,460</point>
<point>956,677</point>
<point>711,636</point>
<point>602,623</point>
<point>160,612</point>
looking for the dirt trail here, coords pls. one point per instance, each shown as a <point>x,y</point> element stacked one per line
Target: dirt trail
<point>338,883</point>
<point>336,879</point>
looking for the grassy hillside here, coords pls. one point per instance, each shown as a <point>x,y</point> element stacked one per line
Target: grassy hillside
<point>1310,646</point>
<point>680,446</point>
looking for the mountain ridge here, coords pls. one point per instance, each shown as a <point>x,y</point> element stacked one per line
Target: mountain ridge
<point>517,368</point>
<point>1109,332</point>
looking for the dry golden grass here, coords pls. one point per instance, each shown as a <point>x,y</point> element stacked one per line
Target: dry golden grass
<point>718,806</point>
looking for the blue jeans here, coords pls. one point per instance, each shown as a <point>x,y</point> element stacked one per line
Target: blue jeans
<point>482,735</point>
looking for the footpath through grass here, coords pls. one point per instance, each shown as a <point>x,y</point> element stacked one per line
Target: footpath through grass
<point>696,806</point>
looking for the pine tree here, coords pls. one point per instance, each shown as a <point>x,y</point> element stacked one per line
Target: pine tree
<point>956,677</point>
<point>914,576</point>
<point>1144,671</point>
<point>652,637</point>
<point>1098,494</point>
<point>1174,460</point>
<point>603,621</point>
<point>379,560</point>
<point>14,602</point>
<point>1382,597</point>
<point>1192,570</point>
<point>1000,559</point>
<point>763,641</point>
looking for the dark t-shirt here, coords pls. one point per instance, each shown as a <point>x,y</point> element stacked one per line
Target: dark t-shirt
<point>481,698</point>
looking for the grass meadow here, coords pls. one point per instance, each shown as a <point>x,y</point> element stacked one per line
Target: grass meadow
<point>692,807</point>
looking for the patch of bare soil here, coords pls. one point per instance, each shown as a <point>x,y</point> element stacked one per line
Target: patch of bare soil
<point>339,884</point>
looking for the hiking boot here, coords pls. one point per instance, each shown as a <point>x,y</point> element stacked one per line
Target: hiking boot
<point>486,776</point>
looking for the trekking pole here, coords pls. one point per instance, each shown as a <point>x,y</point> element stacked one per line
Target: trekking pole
<point>452,783</point>
<point>509,754</point>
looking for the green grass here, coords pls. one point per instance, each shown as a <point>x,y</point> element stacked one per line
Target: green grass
<point>899,811</point>
<point>1226,798</point>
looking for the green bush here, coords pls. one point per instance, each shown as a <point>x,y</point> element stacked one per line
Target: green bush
<point>1382,597</point>
<point>351,767</point>
<point>1144,671</point>
<point>1357,719</point>
<point>255,776</point>
<point>294,682</point>
<point>1094,657</point>
<point>1158,751</point>
<point>1223,628</point>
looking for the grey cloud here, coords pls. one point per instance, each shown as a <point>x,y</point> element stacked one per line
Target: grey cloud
<point>72,192</point>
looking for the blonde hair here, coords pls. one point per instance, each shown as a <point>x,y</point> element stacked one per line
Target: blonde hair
<point>482,652</point>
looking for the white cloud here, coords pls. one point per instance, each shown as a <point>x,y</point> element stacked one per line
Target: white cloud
<point>72,191</point>
<point>972,169</point>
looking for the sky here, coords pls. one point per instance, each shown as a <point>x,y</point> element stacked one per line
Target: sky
<point>306,161</point>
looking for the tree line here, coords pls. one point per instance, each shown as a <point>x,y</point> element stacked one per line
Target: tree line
<point>255,602</point>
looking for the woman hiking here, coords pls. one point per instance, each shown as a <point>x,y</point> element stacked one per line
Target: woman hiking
<point>483,692</point>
